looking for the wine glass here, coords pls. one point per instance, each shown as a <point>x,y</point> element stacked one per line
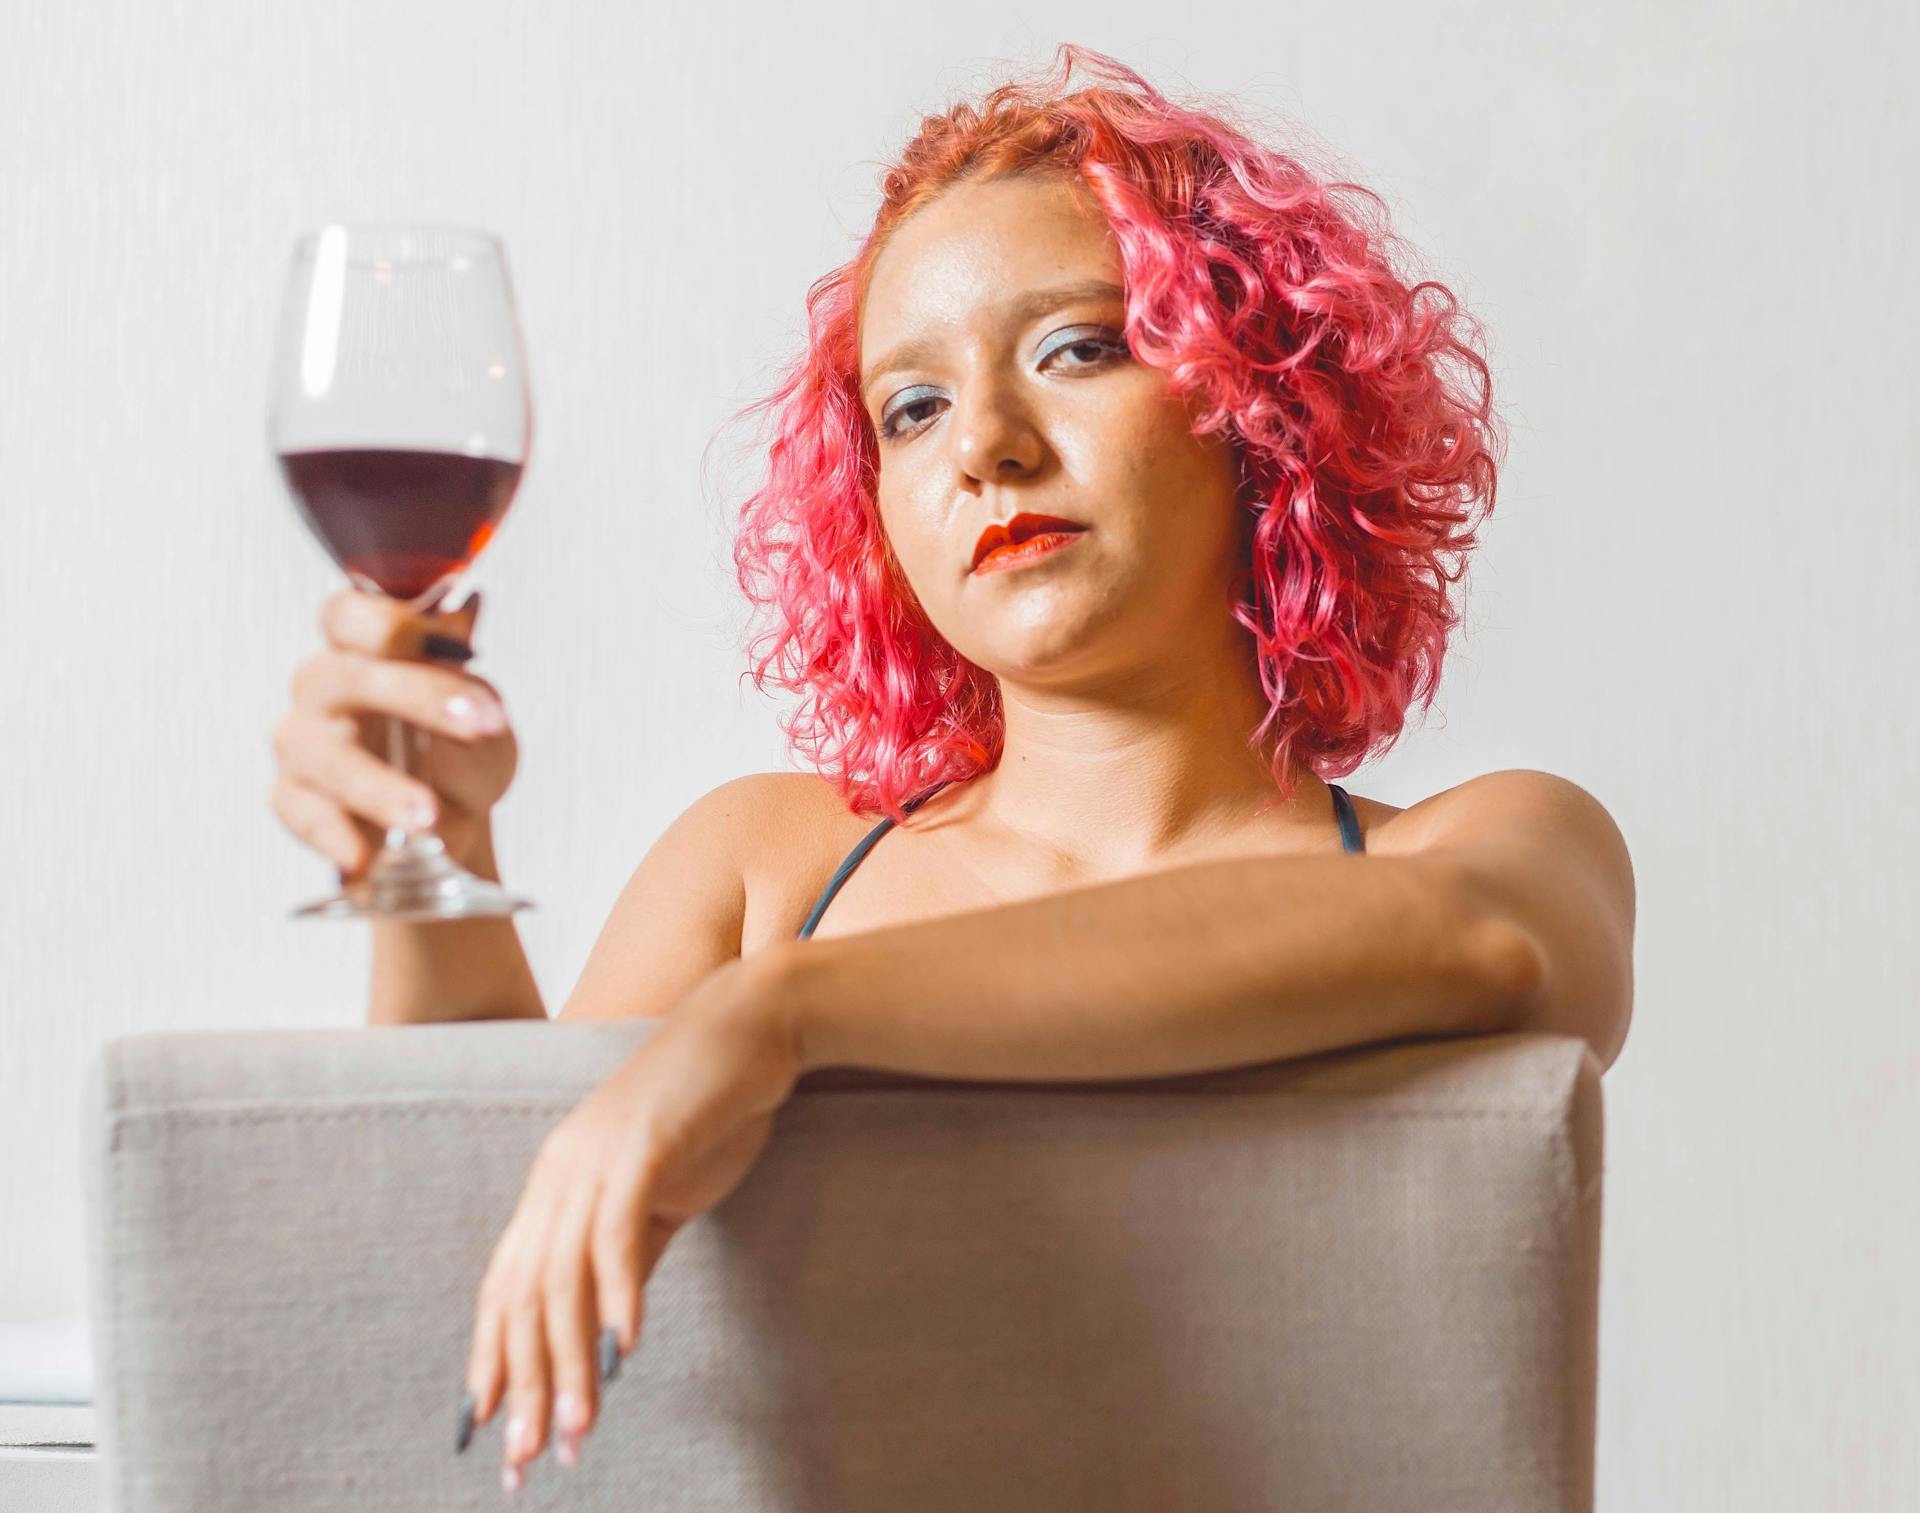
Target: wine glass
<point>401,420</point>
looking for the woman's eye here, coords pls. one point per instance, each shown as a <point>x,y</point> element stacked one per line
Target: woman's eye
<point>1097,343</point>
<point>891,428</point>
<point>1102,345</point>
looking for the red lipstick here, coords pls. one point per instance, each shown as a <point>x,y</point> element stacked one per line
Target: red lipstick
<point>1021,529</point>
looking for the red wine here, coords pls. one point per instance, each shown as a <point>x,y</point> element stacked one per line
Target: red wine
<point>401,519</point>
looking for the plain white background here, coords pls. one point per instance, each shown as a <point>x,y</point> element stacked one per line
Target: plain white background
<point>1689,228</point>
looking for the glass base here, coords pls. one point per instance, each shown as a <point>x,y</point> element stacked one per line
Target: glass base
<point>416,881</point>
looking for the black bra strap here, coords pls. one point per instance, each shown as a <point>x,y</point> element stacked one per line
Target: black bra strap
<point>1350,836</point>
<point>858,854</point>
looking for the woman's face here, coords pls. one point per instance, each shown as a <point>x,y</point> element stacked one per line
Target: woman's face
<point>1014,398</point>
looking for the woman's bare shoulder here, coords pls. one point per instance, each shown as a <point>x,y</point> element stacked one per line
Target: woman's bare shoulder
<point>797,802</point>
<point>1491,805</point>
<point>801,830</point>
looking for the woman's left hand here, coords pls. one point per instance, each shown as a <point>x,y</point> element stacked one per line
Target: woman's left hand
<point>661,1141</point>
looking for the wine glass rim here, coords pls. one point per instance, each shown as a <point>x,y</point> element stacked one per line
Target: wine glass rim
<point>453,241</point>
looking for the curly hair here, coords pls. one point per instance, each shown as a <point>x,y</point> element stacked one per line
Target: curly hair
<point>1274,305</point>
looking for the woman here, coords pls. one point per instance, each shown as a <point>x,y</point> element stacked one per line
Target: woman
<point>1163,355</point>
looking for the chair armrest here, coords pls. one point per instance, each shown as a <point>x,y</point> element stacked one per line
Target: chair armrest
<point>1360,1280</point>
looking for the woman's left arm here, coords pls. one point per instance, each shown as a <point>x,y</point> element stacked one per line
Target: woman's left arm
<point>1516,913</point>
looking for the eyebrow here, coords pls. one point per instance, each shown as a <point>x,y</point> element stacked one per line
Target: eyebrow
<point>1034,303</point>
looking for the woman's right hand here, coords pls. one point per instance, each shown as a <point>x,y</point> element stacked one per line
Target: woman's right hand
<point>331,789</point>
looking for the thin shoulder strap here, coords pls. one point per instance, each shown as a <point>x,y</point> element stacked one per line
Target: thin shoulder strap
<point>858,854</point>
<point>1350,836</point>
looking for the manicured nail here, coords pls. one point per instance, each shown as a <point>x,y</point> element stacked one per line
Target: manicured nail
<point>609,1354</point>
<point>518,1433</point>
<point>478,715</point>
<point>512,1478</point>
<point>418,815</point>
<point>566,1449</point>
<point>465,1435</point>
<point>446,648</point>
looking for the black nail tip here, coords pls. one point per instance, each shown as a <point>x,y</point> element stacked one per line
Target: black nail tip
<point>609,1355</point>
<point>446,648</point>
<point>465,1436</point>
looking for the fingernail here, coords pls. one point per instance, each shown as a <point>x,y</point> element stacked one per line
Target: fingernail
<point>477,714</point>
<point>446,648</point>
<point>516,1437</point>
<point>566,1450</point>
<point>512,1478</point>
<point>570,1412</point>
<point>609,1354</point>
<point>465,1435</point>
<point>418,815</point>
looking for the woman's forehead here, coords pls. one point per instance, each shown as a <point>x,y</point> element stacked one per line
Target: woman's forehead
<point>992,259</point>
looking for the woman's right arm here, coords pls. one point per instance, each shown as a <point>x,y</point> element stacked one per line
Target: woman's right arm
<point>456,968</point>
<point>337,796</point>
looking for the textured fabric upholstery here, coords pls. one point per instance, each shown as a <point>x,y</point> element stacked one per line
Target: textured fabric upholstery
<point>1363,1281</point>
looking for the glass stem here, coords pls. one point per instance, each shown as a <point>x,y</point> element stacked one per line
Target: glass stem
<point>406,750</point>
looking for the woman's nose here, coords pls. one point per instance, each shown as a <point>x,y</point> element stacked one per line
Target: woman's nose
<point>994,436</point>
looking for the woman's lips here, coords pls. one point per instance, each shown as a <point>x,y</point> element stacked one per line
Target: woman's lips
<point>1023,527</point>
<point>1003,557</point>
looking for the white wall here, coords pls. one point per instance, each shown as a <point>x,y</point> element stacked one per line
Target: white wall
<point>1688,227</point>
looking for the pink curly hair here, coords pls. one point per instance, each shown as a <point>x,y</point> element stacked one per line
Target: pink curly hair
<point>1360,456</point>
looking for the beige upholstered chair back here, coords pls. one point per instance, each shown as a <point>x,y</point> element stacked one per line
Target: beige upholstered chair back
<point>1365,1282</point>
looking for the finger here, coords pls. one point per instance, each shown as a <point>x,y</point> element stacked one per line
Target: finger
<point>571,1322</point>
<point>320,822</point>
<point>628,1239</point>
<point>430,695</point>
<point>450,636</point>
<point>487,1354</point>
<point>617,1264</point>
<point>509,1274</point>
<point>529,1375</point>
<point>315,752</point>
<point>529,1389</point>
<point>378,626</point>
